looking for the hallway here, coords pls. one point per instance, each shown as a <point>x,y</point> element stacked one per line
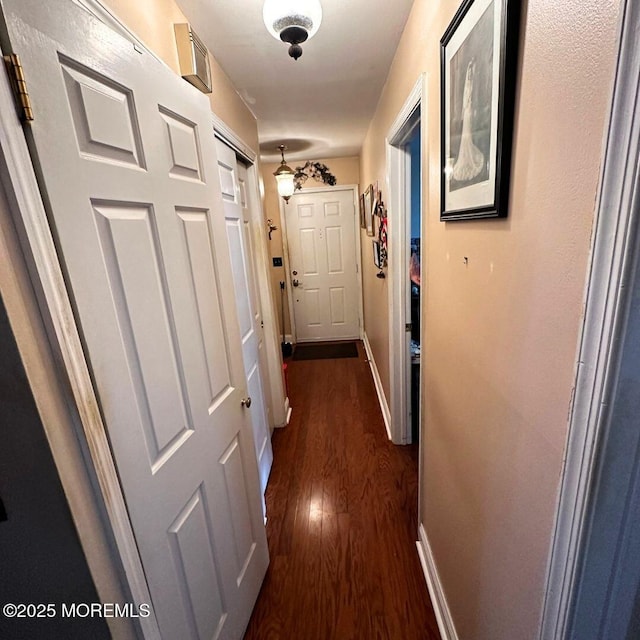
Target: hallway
<point>342,517</point>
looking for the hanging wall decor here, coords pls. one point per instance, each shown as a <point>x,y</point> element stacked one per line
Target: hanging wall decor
<point>316,170</point>
<point>478,58</point>
<point>369,197</point>
<point>379,226</point>
<point>377,259</point>
<point>382,239</point>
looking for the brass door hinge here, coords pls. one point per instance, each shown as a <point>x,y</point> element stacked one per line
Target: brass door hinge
<point>408,327</point>
<point>19,85</point>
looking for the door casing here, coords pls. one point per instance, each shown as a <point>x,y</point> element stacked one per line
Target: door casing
<point>612,252</point>
<point>412,114</point>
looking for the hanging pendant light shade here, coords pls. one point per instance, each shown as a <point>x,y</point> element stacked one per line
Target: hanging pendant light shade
<point>284,177</point>
<point>292,21</point>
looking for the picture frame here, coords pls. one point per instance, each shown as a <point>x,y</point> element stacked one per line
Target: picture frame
<point>363,220</point>
<point>376,199</point>
<point>478,61</point>
<point>377,259</point>
<point>368,209</point>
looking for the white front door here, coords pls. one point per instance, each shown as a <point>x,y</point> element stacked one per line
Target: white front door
<point>321,230</point>
<point>127,160</point>
<point>233,182</point>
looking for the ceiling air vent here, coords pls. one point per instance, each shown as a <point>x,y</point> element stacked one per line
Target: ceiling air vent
<point>193,57</point>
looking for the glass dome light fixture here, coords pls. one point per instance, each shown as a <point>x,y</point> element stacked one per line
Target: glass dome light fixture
<point>292,21</point>
<point>284,177</point>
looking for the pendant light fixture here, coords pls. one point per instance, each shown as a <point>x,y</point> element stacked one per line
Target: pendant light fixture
<point>292,21</point>
<point>284,177</point>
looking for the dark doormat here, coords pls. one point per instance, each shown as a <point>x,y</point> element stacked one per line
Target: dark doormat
<point>325,351</point>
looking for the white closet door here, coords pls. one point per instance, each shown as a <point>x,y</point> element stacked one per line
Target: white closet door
<point>127,159</point>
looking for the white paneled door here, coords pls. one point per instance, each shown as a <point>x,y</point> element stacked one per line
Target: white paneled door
<point>128,165</point>
<point>233,182</point>
<point>321,230</point>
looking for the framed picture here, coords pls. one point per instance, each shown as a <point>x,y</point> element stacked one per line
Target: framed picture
<point>376,198</point>
<point>363,220</point>
<point>368,209</point>
<point>478,58</point>
<point>377,259</point>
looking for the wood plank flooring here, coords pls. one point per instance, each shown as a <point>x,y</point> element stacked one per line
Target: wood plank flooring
<point>342,518</point>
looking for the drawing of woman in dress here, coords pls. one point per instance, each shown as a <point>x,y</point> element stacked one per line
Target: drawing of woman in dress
<point>470,160</point>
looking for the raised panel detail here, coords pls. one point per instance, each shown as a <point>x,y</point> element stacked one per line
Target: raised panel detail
<point>253,293</point>
<point>234,236</point>
<point>243,193</point>
<point>305,210</point>
<point>204,279</point>
<point>312,306</point>
<point>308,251</point>
<point>182,146</point>
<point>103,116</point>
<point>227,181</point>
<point>130,248</point>
<point>193,556</point>
<point>335,250</point>
<point>234,476</point>
<point>331,209</point>
<point>337,305</point>
<point>260,428</point>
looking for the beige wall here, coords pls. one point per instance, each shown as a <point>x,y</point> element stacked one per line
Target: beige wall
<point>502,331</point>
<point>152,21</point>
<point>346,171</point>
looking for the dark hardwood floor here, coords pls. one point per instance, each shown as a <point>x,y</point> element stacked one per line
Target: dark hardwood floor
<point>342,517</point>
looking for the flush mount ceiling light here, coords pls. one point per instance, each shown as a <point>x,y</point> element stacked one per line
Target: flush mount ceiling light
<point>292,21</point>
<point>284,177</point>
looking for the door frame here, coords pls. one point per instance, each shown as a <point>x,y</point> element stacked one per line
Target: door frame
<point>612,253</point>
<point>411,115</point>
<point>285,246</point>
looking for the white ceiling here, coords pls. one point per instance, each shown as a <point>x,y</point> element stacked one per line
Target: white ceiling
<point>321,104</point>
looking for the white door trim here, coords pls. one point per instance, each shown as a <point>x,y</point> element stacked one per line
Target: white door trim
<point>232,139</point>
<point>285,247</point>
<point>617,215</point>
<point>399,362</point>
<point>18,175</point>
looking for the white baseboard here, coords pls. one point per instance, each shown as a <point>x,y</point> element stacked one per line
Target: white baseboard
<point>287,414</point>
<point>438,599</point>
<point>384,407</point>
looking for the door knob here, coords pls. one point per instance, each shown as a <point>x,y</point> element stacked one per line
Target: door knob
<point>246,402</point>
<point>295,283</point>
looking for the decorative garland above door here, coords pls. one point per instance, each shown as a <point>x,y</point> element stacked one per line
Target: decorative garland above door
<point>316,170</point>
